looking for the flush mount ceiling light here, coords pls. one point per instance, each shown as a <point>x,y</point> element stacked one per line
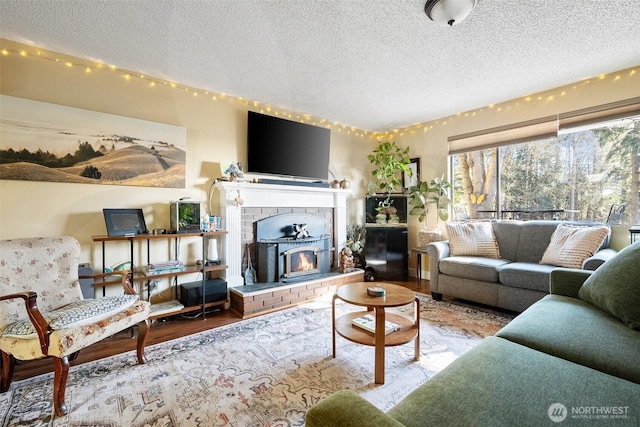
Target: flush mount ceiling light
<point>448,12</point>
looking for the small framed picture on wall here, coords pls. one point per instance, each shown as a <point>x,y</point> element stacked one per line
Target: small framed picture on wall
<point>411,179</point>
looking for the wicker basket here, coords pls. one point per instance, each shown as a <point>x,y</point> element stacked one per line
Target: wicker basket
<point>427,236</point>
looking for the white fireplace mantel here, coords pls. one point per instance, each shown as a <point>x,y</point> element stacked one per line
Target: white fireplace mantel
<point>234,195</point>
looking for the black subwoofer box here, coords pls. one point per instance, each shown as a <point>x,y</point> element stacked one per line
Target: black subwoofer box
<point>214,290</point>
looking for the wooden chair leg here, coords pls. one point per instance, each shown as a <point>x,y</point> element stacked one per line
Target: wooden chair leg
<point>8,363</point>
<point>143,332</point>
<point>60,374</point>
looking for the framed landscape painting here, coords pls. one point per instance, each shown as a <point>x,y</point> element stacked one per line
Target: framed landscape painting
<point>40,141</point>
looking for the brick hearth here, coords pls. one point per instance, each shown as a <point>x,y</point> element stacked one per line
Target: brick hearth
<point>252,300</point>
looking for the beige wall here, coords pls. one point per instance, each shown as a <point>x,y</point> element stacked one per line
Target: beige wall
<point>216,131</point>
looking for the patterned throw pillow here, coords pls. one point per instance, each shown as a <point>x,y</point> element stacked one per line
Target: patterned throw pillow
<point>570,245</point>
<point>472,239</point>
<point>76,314</point>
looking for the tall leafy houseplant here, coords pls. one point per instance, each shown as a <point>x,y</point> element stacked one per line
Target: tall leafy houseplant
<point>423,195</point>
<point>389,162</point>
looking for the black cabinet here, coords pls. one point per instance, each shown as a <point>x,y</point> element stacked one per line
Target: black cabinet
<point>386,252</point>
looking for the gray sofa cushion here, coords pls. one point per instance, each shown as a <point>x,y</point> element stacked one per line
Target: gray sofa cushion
<point>469,267</point>
<point>507,235</point>
<point>526,275</point>
<point>500,383</point>
<point>577,331</point>
<point>534,240</point>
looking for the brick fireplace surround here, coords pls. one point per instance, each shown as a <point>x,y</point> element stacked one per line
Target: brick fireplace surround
<point>263,200</point>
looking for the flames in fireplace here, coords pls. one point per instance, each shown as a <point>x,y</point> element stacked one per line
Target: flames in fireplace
<point>301,261</point>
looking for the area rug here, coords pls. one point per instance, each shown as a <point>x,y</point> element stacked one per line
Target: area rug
<point>265,371</point>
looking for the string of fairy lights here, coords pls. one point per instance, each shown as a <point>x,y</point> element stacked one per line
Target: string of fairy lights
<point>88,67</point>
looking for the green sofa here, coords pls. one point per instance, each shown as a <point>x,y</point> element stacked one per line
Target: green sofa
<point>572,358</point>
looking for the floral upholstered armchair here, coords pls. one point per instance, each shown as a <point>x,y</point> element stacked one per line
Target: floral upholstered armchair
<point>43,312</point>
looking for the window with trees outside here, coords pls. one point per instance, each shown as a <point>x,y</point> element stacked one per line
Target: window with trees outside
<point>578,174</point>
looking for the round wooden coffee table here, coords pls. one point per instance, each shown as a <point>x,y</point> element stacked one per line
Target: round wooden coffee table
<point>396,296</point>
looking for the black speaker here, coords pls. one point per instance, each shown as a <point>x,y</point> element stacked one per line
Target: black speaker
<point>191,292</point>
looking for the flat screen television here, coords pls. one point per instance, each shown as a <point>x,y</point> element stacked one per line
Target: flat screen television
<point>286,148</point>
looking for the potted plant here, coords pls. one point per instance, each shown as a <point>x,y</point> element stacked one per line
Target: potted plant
<point>423,195</point>
<point>356,236</point>
<point>389,161</point>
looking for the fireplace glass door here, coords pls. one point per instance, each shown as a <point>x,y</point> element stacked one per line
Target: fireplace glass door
<point>301,261</point>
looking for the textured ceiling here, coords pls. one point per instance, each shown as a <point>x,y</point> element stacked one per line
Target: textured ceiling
<point>372,64</point>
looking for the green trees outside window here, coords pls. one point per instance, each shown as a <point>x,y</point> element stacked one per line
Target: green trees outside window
<point>582,172</point>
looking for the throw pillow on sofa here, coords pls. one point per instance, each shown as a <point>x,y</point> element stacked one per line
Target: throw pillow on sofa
<point>472,239</point>
<point>570,245</point>
<point>615,286</point>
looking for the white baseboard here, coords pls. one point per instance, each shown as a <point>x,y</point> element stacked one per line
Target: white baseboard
<point>425,274</point>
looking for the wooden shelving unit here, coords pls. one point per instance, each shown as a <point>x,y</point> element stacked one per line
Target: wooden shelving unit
<point>139,277</point>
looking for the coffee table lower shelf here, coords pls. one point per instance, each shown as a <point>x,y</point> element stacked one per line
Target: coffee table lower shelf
<point>407,333</point>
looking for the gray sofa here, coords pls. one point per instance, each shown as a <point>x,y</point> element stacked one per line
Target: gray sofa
<point>513,282</point>
<point>571,359</point>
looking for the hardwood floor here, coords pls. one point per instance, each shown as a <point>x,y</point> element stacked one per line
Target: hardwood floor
<point>161,330</point>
